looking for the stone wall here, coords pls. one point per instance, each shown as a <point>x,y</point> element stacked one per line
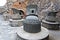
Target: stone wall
<point>43,5</point>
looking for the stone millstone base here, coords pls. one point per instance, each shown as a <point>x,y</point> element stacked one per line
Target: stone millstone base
<point>19,38</point>
<point>22,35</point>
<point>50,25</point>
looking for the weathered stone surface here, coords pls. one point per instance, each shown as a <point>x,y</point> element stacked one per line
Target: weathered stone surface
<point>43,5</point>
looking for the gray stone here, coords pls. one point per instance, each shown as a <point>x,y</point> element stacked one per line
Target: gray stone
<point>50,25</point>
<point>32,9</point>
<point>50,21</point>
<point>32,24</point>
<point>51,17</point>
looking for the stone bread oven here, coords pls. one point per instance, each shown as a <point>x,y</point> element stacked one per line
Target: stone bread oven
<point>31,29</point>
<point>19,13</point>
<point>50,21</point>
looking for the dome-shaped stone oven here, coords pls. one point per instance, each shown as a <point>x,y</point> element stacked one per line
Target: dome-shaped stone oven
<point>32,29</point>
<point>51,21</point>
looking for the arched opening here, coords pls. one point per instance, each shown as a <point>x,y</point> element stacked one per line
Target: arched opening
<point>21,13</point>
<point>32,11</point>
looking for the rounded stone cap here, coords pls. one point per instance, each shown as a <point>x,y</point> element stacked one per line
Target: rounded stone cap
<point>32,24</point>
<point>51,16</point>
